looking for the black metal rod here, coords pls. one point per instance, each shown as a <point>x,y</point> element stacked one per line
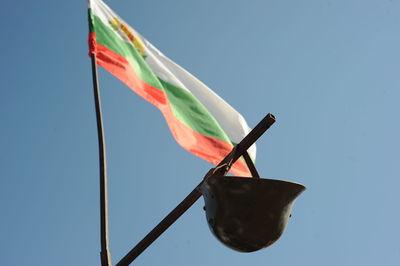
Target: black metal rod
<point>104,253</point>
<point>250,165</point>
<point>195,194</point>
<point>249,140</point>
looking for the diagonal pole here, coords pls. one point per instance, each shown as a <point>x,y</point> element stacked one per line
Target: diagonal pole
<point>193,196</point>
<point>104,253</point>
<point>250,165</point>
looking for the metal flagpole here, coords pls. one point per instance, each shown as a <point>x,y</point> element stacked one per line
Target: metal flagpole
<point>104,253</point>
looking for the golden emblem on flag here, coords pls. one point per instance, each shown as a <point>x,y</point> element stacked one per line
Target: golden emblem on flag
<point>118,26</point>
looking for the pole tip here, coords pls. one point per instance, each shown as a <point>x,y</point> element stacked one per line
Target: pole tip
<point>271,116</point>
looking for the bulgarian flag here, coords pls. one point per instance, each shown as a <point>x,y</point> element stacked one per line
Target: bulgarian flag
<point>200,121</point>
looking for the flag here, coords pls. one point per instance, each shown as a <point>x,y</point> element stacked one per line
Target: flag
<point>200,121</point>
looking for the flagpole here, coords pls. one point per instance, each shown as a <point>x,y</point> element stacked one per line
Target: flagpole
<point>104,253</point>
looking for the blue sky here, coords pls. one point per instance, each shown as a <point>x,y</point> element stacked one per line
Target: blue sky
<point>328,70</point>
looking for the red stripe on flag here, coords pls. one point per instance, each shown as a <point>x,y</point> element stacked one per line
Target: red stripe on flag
<point>208,148</point>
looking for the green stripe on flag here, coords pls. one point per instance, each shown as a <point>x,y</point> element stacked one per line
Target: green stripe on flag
<point>193,113</point>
